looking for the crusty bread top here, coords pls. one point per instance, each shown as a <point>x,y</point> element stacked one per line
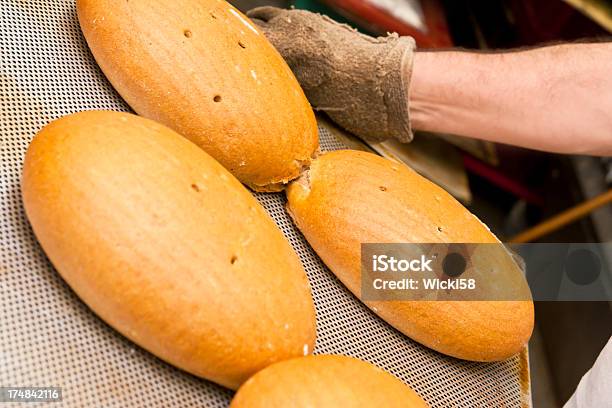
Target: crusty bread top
<point>350,197</point>
<point>399,204</point>
<point>204,69</point>
<point>325,381</point>
<point>166,245</point>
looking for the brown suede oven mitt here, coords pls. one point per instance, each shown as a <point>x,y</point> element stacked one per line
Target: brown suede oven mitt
<point>361,82</point>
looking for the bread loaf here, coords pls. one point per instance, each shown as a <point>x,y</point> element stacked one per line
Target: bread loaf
<point>325,381</point>
<point>203,69</point>
<point>166,246</point>
<point>349,197</point>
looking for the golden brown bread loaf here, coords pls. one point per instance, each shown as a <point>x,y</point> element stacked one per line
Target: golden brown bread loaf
<point>166,246</point>
<point>350,197</point>
<point>325,381</point>
<point>203,69</point>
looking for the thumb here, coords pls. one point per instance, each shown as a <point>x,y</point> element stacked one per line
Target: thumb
<point>264,14</point>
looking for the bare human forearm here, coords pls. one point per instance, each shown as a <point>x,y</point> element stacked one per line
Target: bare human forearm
<point>556,98</point>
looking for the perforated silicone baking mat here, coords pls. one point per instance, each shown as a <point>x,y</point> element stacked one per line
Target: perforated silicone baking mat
<point>48,337</point>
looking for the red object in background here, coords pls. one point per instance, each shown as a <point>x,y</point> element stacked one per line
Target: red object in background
<point>551,20</point>
<point>437,35</point>
<point>501,180</point>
